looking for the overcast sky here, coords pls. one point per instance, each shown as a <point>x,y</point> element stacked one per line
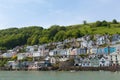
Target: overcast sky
<point>22,13</point>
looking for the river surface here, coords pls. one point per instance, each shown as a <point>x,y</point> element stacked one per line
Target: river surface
<point>56,75</point>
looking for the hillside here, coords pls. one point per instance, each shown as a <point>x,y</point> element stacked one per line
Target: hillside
<point>32,35</point>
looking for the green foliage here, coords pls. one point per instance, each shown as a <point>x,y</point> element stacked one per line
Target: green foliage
<point>27,59</point>
<point>43,40</point>
<point>60,36</point>
<point>3,61</point>
<point>3,49</point>
<point>22,50</point>
<point>98,23</point>
<point>83,55</point>
<point>104,23</point>
<point>53,30</point>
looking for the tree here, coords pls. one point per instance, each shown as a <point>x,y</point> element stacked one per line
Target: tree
<point>114,21</point>
<point>69,34</point>
<point>60,36</point>
<point>35,40</point>
<point>104,23</point>
<point>3,49</point>
<point>53,30</point>
<point>98,23</point>
<point>84,22</point>
<point>76,33</point>
<point>62,28</point>
<point>43,40</point>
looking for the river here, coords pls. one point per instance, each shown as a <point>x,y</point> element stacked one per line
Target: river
<point>56,75</point>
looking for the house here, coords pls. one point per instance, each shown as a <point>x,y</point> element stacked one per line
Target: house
<point>13,65</point>
<point>60,46</point>
<point>83,62</point>
<point>90,44</point>
<point>47,61</point>
<point>68,51</point>
<point>43,51</point>
<point>117,48</point>
<point>84,44</point>
<point>37,65</point>
<point>109,50</point>
<point>24,64</point>
<point>88,50</point>
<point>81,51</point>
<point>79,39</point>
<point>93,50</point>
<point>21,56</point>
<point>78,61</point>
<point>36,54</point>
<point>94,61</point>
<point>65,41</point>
<point>87,37</point>
<point>7,55</point>
<point>115,38</point>
<point>29,48</point>
<point>53,60</point>
<point>62,52</point>
<point>100,40</point>
<point>104,62</point>
<point>114,58</point>
<point>53,52</point>
<point>33,66</point>
<point>73,52</point>
<point>100,51</point>
<point>29,54</point>
<point>86,62</point>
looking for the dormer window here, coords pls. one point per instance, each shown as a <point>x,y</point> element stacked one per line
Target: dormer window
<point>103,61</point>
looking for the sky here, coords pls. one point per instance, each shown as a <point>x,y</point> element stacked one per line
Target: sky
<point>45,13</point>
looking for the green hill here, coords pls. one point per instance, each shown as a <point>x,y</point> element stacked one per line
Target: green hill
<point>12,37</point>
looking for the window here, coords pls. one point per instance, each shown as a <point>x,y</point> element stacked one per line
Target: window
<point>116,57</point>
<point>103,61</point>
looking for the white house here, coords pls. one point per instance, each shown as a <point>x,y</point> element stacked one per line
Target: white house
<point>36,54</point>
<point>30,48</point>
<point>68,51</point>
<point>7,55</point>
<point>104,62</point>
<point>53,52</point>
<point>63,52</point>
<point>114,58</point>
<point>100,40</point>
<point>90,44</point>
<point>84,44</point>
<point>93,50</point>
<point>86,62</point>
<point>21,56</point>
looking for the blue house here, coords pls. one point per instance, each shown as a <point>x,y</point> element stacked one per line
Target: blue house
<point>100,51</point>
<point>109,50</point>
<point>81,51</point>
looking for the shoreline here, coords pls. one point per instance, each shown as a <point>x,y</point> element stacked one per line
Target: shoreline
<point>73,68</point>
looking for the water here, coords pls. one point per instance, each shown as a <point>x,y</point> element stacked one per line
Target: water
<point>53,75</point>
